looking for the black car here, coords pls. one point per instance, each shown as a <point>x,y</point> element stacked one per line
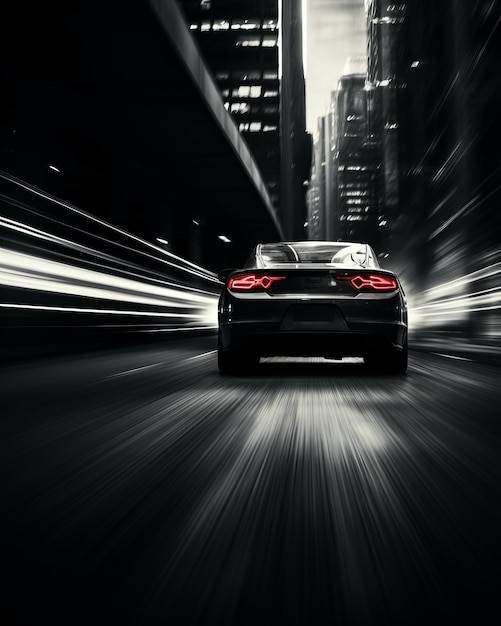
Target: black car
<point>312,298</point>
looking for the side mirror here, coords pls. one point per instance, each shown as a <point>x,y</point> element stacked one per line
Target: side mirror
<point>223,274</point>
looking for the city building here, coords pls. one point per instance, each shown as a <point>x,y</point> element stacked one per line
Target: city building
<point>254,51</point>
<point>384,79</point>
<point>357,215</point>
<point>434,84</point>
<point>296,143</point>
<point>316,196</point>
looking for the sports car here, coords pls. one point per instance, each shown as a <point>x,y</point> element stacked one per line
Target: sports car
<point>312,298</point>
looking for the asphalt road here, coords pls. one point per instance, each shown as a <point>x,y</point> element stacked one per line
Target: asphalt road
<point>140,487</point>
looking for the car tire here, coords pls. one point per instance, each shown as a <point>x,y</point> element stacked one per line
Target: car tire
<point>396,362</point>
<point>393,362</point>
<point>234,362</point>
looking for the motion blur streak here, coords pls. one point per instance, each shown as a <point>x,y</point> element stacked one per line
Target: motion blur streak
<point>65,205</point>
<point>456,299</point>
<point>153,494</point>
<point>36,233</point>
<point>27,272</point>
<point>59,264</point>
<point>33,307</point>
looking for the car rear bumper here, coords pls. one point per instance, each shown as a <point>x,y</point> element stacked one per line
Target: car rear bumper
<point>270,339</point>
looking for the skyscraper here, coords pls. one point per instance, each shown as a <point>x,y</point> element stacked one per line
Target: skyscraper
<point>357,215</point>
<point>296,143</point>
<point>240,42</point>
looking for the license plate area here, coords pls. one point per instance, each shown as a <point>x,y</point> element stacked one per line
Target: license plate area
<point>314,317</point>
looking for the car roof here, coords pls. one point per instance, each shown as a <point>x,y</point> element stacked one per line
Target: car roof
<point>315,242</point>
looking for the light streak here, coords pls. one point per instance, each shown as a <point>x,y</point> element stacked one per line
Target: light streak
<point>452,356</point>
<point>455,300</point>
<point>198,356</point>
<point>39,234</point>
<point>29,272</point>
<point>200,270</point>
<point>136,369</point>
<point>69,309</point>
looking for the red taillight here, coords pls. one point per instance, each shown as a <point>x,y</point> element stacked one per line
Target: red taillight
<point>380,282</point>
<point>247,282</point>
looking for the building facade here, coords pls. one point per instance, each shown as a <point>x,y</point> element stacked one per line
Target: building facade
<point>436,99</point>
<point>262,88</point>
<point>316,197</point>
<point>357,214</point>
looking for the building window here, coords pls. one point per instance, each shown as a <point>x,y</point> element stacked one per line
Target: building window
<point>252,127</point>
<point>223,25</point>
<point>248,42</point>
<point>245,25</point>
<point>239,107</point>
<point>247,91</point>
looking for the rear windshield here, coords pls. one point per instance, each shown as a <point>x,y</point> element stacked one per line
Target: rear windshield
<point>339,253</point>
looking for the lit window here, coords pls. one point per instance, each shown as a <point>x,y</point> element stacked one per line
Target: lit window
<point>240,107</point>
<point>223,25</point>
<point>270,75</point>
<point>268,128</point>
<point>255,127</point>
<point>205,26</point>
<point>247,91</point>
<point>249,43</point>
<point>271,94</point>
<point>269,43</point>
<point>205,4</point>
<point>193,26</point>
<point>250,25</point>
